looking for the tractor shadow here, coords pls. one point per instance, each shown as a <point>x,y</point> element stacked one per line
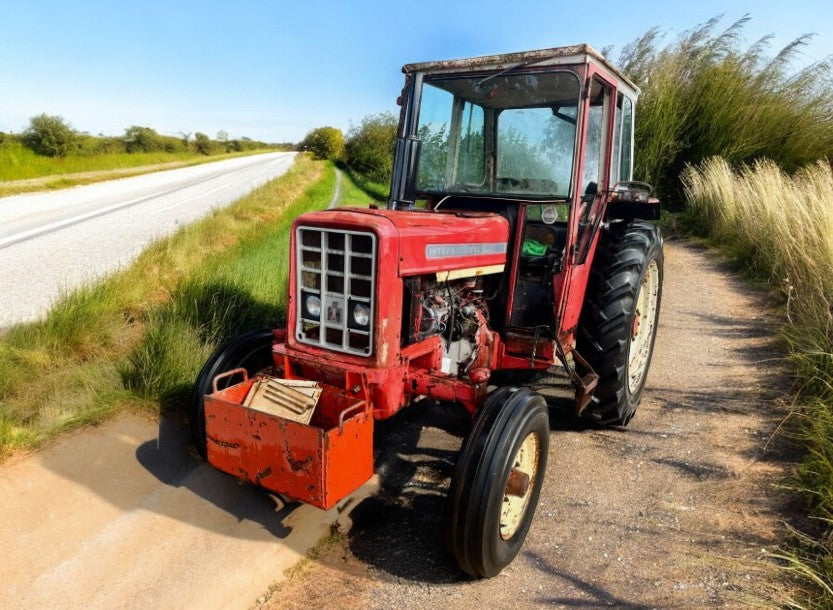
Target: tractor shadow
<point>401,530</point>
<point>169,459</point>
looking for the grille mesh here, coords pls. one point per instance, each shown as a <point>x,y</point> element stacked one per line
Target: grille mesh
<point>338,268</point>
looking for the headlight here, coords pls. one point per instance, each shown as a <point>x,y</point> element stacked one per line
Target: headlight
<point>313,305</point>
<point>361,314</point>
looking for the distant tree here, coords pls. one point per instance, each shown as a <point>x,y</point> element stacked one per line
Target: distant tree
<point>185,137</point>
<point>222,136</point>
<point>142,139</point>
<point>370,146</point>
<point>324,143</point>
<point>50,136</point>
<point>202,143</point>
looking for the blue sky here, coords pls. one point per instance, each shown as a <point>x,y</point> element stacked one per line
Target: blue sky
<point>272,70</point>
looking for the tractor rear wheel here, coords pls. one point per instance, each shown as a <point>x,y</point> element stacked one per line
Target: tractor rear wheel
<point>619,320</point>
<point>496,481</point>
<point>251,351</point>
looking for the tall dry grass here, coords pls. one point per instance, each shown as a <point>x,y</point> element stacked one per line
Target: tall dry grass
<point>708,93</point>
<point>781,226</point>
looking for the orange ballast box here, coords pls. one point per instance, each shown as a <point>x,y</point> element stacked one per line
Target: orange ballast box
<point>319,464</point>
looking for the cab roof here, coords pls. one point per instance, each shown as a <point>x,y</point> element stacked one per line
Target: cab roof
<point>556,56</point>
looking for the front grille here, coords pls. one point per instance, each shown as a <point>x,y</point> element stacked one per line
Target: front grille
<point>338,269</point>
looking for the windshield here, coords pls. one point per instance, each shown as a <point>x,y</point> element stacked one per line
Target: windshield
<point>511,134</point>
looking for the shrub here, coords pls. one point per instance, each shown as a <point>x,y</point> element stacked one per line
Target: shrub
<point>202,143</point>
<point>108,145</point>
<point>326,143</point>
<point>50,136</point>
<point>370,146</point>
<point>142,139</point>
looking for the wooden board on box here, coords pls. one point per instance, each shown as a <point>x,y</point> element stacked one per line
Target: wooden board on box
<point>290,399</point>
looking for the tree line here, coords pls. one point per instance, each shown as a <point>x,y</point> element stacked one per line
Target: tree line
<point>52,136</point>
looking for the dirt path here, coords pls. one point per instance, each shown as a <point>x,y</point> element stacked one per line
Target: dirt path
<point>676,511</point>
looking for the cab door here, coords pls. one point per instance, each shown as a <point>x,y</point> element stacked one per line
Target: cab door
<point>591,186</point>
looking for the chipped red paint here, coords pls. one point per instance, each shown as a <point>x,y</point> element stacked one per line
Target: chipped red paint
<point>403,238</point>
<point>411,234</point>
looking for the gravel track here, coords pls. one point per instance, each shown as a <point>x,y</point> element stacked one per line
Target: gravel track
<point>51,243</point>
<point>678,510</point>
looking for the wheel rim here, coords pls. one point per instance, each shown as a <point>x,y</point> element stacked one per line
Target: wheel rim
<point>519,487</point>
<point>642,332</point>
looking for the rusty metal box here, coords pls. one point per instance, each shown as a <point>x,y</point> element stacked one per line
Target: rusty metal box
<point>319,464</point>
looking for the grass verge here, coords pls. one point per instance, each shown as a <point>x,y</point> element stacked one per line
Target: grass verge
<point>352,194</point>
<point>58,173</point>
<point>139,336</point>
<point>781,227</point>
<point>377,191</point>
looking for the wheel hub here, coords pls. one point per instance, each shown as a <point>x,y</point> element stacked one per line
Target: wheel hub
<point>519,487</point>
<point>635,328</point>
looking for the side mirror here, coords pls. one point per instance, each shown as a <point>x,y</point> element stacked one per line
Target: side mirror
<point>630,190</point>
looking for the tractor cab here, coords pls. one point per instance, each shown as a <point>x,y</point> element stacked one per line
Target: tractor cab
<point>541,138</point>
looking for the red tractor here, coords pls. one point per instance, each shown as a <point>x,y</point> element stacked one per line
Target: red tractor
<point>513,240</point>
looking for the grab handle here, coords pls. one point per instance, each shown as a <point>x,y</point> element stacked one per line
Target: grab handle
<point>343,415</point>
<point>228,374</point>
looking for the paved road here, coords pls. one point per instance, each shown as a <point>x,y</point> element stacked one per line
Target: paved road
<point>57,241</point>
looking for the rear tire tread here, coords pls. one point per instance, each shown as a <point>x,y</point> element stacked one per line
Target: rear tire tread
<point>624,252</point>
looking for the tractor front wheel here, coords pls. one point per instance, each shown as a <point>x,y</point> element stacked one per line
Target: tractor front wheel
<point>619,321</point>
<point>251,351</point>
<point>496,481</point>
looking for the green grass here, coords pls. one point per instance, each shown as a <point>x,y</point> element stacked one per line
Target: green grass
<point>242,289</point>
<point>780,226</point>
<point>706,94</point>
<point>19,163</point>
<point>354,195</point>
<point>377,192</point>
<point>136,337</point>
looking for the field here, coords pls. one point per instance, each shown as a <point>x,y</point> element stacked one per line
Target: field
<point>23,171</point>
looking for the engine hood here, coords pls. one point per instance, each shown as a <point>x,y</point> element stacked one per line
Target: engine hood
<point>451,244</point>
